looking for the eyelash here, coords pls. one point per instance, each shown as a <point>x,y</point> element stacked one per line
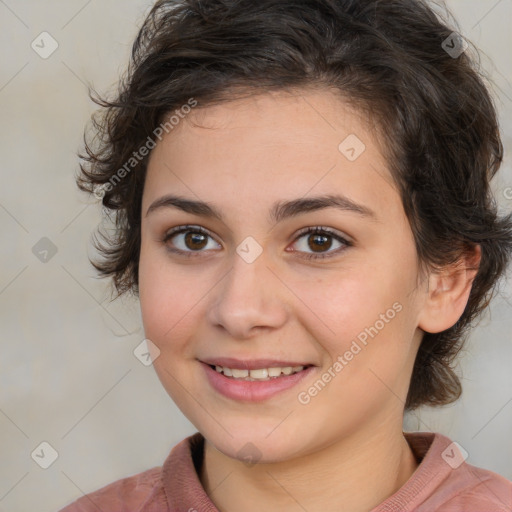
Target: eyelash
<point>309,256</point>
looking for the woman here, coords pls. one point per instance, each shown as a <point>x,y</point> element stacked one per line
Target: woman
<point>303,207</point>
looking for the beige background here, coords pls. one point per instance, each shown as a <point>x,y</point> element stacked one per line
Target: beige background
<point>67,369</point>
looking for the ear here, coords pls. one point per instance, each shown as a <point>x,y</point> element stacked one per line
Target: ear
<point>448,293</point>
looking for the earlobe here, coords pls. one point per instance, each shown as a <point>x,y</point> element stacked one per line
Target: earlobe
<point>448,293</point>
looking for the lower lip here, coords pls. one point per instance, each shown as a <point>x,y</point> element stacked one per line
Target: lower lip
<point>253,391</point>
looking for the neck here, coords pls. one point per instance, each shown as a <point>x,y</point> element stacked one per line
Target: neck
<point>355,474</point>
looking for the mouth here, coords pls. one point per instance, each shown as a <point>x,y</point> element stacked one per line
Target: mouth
<point>258,374</point>
<point>255,380</point>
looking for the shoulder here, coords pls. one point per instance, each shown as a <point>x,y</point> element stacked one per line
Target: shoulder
<point>445,482</point>
<point>152,490</point>
<point>483,490</point>
<point>142,492</point>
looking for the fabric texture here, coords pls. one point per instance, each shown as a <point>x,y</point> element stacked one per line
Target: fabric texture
<point>443,482</point>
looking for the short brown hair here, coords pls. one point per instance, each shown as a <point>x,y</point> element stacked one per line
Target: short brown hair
<point>437,117</point>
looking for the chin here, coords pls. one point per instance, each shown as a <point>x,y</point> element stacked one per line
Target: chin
<point>250,445</point>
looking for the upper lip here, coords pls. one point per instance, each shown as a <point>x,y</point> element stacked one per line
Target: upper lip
<point>252,364</point>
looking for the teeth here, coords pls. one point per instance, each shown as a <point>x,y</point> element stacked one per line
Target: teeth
<point>274,372</point>
<point>239,373</point>
<point>258,374</point>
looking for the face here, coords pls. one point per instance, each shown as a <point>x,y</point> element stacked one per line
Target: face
<point>273,238</point>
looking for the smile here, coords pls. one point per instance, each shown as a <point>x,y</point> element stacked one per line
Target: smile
<point>256,384</point>
<point>258,374</point>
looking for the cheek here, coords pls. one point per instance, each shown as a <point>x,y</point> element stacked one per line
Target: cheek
<point>167,306</point>
<point>346,305</point>
<point>164,295</point>
<point>364,314</point>
<point>173,299</point>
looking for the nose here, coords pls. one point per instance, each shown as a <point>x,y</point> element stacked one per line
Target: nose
<point>248,299</point>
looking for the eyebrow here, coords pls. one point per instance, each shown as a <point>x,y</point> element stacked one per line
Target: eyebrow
<point>280,210</point>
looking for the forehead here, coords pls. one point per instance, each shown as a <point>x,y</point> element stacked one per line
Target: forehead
<point>270,147</point>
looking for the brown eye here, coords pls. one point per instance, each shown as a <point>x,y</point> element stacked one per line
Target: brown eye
<point>187,240</point>
<point>195,241</point>
<point>315,243</point>
<point>318,243</point>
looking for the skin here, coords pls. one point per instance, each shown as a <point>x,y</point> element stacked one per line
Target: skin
<point>345,449</point>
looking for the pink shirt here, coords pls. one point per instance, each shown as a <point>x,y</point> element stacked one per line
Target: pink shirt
<point>443,482</point>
